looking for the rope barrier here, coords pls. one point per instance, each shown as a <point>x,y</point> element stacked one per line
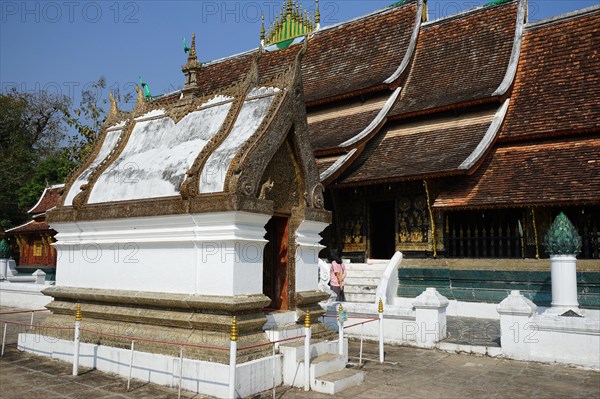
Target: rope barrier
<point>362,322</point>
<point>272,343</point>
<point>137,339</point>
<point>35,325</point>
<point>24,311</point>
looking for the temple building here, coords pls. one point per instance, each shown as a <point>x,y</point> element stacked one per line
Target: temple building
<point>32,241</point>
<point>455,141</point>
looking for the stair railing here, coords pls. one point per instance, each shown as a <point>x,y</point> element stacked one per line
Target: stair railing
<point>388,285</point>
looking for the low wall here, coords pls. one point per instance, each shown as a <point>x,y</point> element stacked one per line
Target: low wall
<point>198,376</point>
<point>491,280</point>
<point>527,335</point>
<point>23,295</point>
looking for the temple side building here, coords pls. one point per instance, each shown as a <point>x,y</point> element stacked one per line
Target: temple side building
<point>33,240</point>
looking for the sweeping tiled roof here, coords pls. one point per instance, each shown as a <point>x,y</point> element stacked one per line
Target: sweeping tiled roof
<point>422,149</point>
<point>357,55</point>
<point>459,59</point>
<point>558,79</point>
<point>349,57</point>
<point>332,126</point>
<point>49,199</point>
<point>549,173</point>
<point>29,227</point>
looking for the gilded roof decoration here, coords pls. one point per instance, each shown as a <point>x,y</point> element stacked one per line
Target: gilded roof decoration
<point>292,22</point>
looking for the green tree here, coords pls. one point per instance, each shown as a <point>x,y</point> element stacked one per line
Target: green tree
<point>87,120</point>
<point>31,129</point>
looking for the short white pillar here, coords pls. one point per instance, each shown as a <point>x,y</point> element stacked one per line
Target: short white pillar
<point>40,276</point>
<point>430,317</point>
<point>563,269</point>
<point>3,269</point>
<point>515,324</point>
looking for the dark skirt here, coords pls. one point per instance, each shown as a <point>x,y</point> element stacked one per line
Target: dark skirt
<point>341,297</point>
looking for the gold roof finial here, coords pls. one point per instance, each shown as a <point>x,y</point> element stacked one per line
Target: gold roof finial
<point>78,315</point>
<point>234,329</point>
<point>290,23</point>
<point>262,27</point>
<point>307,319</point>
<point>380,307</point>
<point>317,15</point>
<point>192,54</point>
<point>340,308</point>
<point>191,68</point>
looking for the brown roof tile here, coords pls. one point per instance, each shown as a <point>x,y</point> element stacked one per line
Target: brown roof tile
<point>426,148</point>
<point>357,55</point>
<point>49,199</point>
<point>30,227</point>
<point>459,59</point>
<point>347,58</point>
<point>558,80</point>
<point>532,174</point>
<point>324,163</point>
<point>331,132</point>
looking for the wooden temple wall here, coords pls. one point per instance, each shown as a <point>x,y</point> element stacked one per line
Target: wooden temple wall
<point>36,250</point>
<point>480,255</point>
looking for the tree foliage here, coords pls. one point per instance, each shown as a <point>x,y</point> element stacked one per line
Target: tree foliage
<point>31,129</point>
<point>36,148</point>
<point>87,120</point>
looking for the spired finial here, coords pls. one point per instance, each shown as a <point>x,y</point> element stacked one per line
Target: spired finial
<point>380,307</point>
<point>307,319</point>
<point>78,315</point>
<point>192,53</point>
<point>340,308</point>
<point>192,67</point>
<point>262,28</point>
<point>234,329</point>
<point>317,15</point>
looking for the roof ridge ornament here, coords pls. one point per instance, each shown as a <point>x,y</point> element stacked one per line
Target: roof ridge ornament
<point>145,88</point>
<point>291,26</point>
<point>192,67</point>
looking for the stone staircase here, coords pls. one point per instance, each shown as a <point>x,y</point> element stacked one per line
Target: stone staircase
<point>362,280</point>
<point>328,372</point>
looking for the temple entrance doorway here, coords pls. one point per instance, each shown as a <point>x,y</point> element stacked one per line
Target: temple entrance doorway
<point>382,229</point>
<point>275,267</point>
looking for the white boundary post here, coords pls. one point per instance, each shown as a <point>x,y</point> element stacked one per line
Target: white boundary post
<point>180,369</point>
<point>340,331</point>
<point>130,364</point>
<point>362,334</point>
<point>233,358</point>
<point>3,339</point>
<point>307,351</point>
<point>77,339</point>
<point>273,371</point>
<point>31,322</point>
<point>380,311</point>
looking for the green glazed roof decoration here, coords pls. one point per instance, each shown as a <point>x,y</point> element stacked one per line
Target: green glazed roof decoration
<point>496,2</point>
<point>146,89</point>
<point>292,22</point>
<point>399,3</point>
<point>4,249</point>
<point>562,238</point>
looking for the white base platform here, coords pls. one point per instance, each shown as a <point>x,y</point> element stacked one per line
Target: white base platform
<point>23,295</point>
<point>198,376</point>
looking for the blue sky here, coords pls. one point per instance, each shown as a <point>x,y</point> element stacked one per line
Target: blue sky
<point>62,46</point>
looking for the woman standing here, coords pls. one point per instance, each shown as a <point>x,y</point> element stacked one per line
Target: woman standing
<point>338,275</point>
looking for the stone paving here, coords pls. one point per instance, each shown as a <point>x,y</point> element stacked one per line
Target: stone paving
<point>407,373</point>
